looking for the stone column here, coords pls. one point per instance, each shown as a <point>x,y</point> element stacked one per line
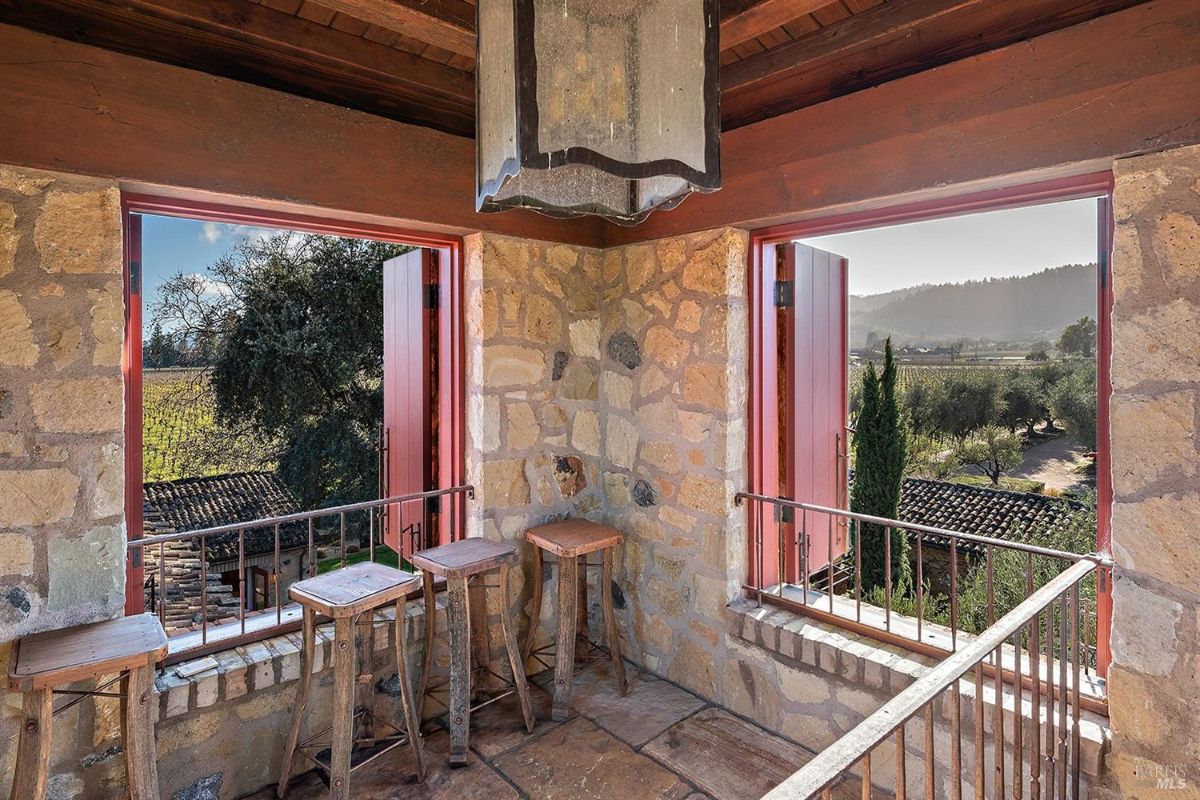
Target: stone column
<point>1154,684</point>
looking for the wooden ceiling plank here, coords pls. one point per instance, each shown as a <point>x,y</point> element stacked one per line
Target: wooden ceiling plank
<point>255,43</point>
<point>448,24</point>
<point>882,44</point>
<point>763,16</point>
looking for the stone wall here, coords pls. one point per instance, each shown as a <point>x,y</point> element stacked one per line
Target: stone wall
<point>61,421</point>
<point>674,390</point>
<point>1154,702</point>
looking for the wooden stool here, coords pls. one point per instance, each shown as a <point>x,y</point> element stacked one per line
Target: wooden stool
<point>130,646</point>
<point>459,562</point>
<point>345,595</point>
<point>571,541</point>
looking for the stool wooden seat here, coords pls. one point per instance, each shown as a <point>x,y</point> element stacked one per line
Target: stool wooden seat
<point>130,646</point>
<point>459,562</point>
<point>572,541</point>
<point>348,595</point>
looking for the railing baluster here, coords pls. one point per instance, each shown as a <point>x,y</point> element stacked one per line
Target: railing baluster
<point>858,571</point>
<point>866,776</point>
<point>371,534</point>
<point>930,755</point>
<point>901,772</point>
<point>162,586</point>
<point>991,590</point>
<point>342,536</point>
<point>203,591</point>
<point>1035,673</point>
<point>1063,731</point>
<point>1050,765</point>
<point>980,770</point>
<point>887,579</point>
<point>275,580</point>
<point>920,588</point>
<point>312,552</point>
<point>758,546</point>
<point>956,742</point>
<point>1075,692</point>
<point>241,581</point>
<point>998,721</point>
<point>1018,720</point>
<point>953,594</point>
<point>829,556</point>
<point>805,549</point>
<point>781,547</point>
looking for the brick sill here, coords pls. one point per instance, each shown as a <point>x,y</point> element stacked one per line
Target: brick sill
<point>245,669</point>
<point>803,642</point>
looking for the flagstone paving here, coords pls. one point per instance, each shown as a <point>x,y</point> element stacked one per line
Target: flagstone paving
<point>660,741</point>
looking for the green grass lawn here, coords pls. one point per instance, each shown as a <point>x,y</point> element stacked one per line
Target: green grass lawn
<point>1010,484</point>
<point>383,555</point>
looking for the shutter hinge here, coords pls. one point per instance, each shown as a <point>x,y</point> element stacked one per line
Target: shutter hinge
<point>432,296</point>
<point>785,294</point>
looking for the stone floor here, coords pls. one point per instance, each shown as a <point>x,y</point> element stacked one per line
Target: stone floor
<point>660,741</point>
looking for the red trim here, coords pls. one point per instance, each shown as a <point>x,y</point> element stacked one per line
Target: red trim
<point>131,372</point>
<point>764,473</point>
<point>452,467</point>
<point>1104,486</point>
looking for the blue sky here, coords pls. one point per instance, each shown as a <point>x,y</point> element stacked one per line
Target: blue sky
<point>171,245</point>
<point>996,244</point>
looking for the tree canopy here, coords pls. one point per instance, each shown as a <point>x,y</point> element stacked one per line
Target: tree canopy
<point>1079,338</point>
<point>297,326</point>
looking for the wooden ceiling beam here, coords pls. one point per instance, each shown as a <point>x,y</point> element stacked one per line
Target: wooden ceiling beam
<point>743,21</point>
<point>889,41</point>
<point>254,43</point>
<point>448,24</point>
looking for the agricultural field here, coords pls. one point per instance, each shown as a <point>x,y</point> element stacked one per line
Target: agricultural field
<point>181,437</point>
<point>936,373</point>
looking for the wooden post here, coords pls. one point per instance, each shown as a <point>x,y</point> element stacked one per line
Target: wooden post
<point>458,619</point>
<point>514,654</point>
<point>137,711</point>
<point>342,741</point>
<point>610,621</point>
<point>430,632</point>
<point>364,691</point>
<point>411,721</point>
<point>564,654</point>
<point>33,750</point>
<point>535,608</point>
<point>306,668</point>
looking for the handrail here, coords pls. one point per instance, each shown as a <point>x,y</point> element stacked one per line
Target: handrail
<point>832,762</point>
<point>1037,550</point>
<point>299,516</point>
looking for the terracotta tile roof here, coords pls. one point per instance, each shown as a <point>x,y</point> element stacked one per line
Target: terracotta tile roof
<point>195,503</point>
<point>983,511</point>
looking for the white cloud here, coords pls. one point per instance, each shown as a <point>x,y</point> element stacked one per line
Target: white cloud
<point>216,232</point>
<point>208,286</point>
<point>211,232</point>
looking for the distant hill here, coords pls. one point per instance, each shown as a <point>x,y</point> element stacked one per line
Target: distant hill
<point>1021,309</point>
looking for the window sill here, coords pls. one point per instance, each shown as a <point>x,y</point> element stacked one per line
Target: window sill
<point>884,670</point>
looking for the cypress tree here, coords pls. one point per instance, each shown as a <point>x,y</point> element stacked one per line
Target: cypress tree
<point>880,444</point>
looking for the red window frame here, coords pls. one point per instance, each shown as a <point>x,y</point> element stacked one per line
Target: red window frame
<point>451,356</point>
<point>763,467</point>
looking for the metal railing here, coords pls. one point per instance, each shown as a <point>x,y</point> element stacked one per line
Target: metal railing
<point>1053,719</point>
<point>834,592</point>
<point>417,516</point>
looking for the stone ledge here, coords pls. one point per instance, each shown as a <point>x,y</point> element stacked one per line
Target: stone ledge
<point>257,666</point>
<point>889,669</point>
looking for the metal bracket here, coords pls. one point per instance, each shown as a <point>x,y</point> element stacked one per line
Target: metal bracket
<point>785,294</point>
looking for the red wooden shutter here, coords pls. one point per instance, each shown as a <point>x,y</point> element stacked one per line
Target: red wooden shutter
<point>816,399</point>
<point>407,376</point>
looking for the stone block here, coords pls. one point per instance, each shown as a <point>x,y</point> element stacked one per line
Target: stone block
<point>16,554</point>
<point>1146,537</point>
<point>108,497</point>
<point>543,322</point>
<point>579,381</point>
<point>706,386</point>
<point>585,432</point>
<point>78,405</point>
<point>87,571</point>
<point>704,494</point>
<point>1177,244</point>
<point>620,442</point>
<point>1153,438</point>
<point>9,238</point>
<point>1146,639</point>
<point>17,348</point>
<point>523,430</point>
<point>663,455</point>
<point>108,325</point>
<point>1160,344</point>
<point>506,365</point>
<point>37,496</point>
<point>616,390</point>
<point>665,347</point>
<point>80,232</point>
<point>584,335</point>
<point>504,484</point>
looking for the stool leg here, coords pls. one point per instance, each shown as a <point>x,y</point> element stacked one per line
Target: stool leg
<point>33,750</point>
<point>306,668</point>
<point>411,722</point>
<point>342,743</point>
<point>430,631</point>
<point>458,619</point>
<point>564,651</point>
<point>364,679</point>
<point>535,609</point>
<point>610,621</point>
<point>141,762</point>
<point>514,656</point>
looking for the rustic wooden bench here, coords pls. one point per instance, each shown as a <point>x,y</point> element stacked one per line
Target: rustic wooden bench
<point>130,647</point>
